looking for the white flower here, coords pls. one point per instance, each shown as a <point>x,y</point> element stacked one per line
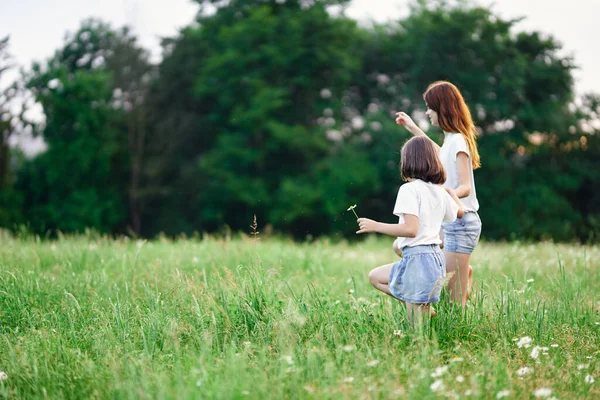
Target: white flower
<point>53,247</point>
<point>457,359</point>
<point>523,371</point>
<point>503,393</point>
<point>589,379</point>
<point>439,371</point>
<point>582,366</point>
<point>349,379</point>
<point>542,392</point>
<point>195,260</point>
<point>535,353</point>
<point>351,208</point>
<point>288,359</point>
<point>245,392</point>
<point>3,376</point>
<point>460,379</point>
<point>348,348</point>
<point>398,332</point>
<point>525,341</point>
<point>437,385</point>
<point>530,280</point>
<point>372,363</point>
<point>468,392</point>
<point>199,382</point>
<point>554,345</point>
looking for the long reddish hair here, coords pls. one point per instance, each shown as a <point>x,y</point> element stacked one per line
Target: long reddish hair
<point>453,114</point>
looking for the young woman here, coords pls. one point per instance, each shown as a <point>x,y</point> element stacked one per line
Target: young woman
<point>447,109</point>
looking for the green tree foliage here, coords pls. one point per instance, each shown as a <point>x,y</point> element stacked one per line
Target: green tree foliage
<point>283,110</point>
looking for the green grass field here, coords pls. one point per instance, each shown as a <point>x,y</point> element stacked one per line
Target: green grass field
<point>86,317</point>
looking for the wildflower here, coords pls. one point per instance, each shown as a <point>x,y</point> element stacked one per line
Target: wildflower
<point>437,386</point>
<point>373,363</point>
<point>525,341</point>
<point>348,348</point>
<point>439,371</point>
<point>460,379</point>
<point>349,379</point>
<point>3,376</point>
<point>554,345</point>
<point>582,366</point>
<point>589,379</point>
<point>530,280</point>
<point>351,208</point>
<point>457,359</point>
<point>542,392</point>
<point>503,393</point>
<point>195,260</point>
<point>288,359</point>
<point>535,353</point>
<point>398,333</point>
<point>523,371</point>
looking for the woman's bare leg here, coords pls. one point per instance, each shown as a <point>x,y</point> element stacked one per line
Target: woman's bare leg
<point>461,276</point>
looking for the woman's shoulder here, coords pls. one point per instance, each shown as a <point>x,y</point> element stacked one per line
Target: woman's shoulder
<point>457,141</point>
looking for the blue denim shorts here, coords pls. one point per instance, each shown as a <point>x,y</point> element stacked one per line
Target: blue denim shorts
<point>419,277</point>
<point>462,235</point>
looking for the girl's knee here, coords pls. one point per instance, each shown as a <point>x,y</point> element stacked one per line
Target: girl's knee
<point>374,276</point>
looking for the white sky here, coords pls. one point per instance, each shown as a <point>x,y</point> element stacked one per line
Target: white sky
<point>37,27</point>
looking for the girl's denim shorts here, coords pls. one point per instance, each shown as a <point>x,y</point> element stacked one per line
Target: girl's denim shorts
<point>419,277</point>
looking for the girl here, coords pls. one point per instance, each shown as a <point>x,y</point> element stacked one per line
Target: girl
<point>421,206</point>
<point>447,109</point>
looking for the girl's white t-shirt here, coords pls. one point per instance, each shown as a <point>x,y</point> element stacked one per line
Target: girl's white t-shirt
<point>431,204</point>
<point>455,143</point>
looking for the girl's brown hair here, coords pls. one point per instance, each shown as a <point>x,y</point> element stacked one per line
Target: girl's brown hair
<point>453,114</point>
<point>419,160</point>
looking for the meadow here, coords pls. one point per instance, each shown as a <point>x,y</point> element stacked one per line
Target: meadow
<point>264,317</point>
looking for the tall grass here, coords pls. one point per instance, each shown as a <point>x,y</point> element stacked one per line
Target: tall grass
<point>92,317</point>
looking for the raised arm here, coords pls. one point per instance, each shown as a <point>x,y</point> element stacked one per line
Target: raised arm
<point>404,119</point>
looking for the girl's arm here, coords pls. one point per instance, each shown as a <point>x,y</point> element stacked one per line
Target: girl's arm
<point>452,193</point>
<point>408,229</point>
<point>464,175</point>
<point>402,118</point>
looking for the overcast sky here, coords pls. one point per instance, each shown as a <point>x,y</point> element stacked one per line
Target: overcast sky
<point>37,27</point>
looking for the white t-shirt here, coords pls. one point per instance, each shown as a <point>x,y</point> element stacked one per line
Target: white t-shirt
<point>431,204</point>
<point>455,143</point>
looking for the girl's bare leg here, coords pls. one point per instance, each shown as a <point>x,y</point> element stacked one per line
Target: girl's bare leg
<point>380,277</point>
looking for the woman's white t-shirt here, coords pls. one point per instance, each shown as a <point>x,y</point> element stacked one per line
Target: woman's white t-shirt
<point>455,143</point>
<point>431,204</point>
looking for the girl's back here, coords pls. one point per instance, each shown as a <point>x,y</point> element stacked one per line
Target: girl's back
<point>431,204</point>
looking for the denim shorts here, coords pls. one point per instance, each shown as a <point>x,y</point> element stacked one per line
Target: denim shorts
<point>462,235</point>
<point>419,277</point>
